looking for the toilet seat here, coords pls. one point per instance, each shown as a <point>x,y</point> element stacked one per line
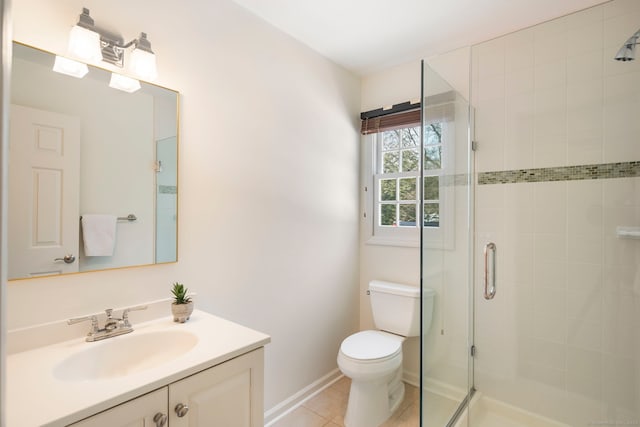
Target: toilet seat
<point>371,346</point>
<point>373,361</point>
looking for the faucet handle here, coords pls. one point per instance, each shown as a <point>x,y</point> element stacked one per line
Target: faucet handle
<point>94,322</point>
<point>125,313</point>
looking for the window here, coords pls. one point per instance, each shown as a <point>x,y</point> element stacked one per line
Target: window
<point>394,176</point>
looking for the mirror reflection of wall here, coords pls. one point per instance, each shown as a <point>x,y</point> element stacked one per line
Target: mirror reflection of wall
<point>117,170</point>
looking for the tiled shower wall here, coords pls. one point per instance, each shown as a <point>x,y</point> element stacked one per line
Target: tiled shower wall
<point>561,337</point>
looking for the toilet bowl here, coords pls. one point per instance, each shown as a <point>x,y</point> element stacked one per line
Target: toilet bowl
<point>373,361</point>
<point>373,358</point>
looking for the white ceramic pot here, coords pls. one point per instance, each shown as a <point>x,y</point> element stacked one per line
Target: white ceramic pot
<point>181,312</point>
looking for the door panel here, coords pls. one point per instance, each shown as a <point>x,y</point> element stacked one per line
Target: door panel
<point>44,170</point>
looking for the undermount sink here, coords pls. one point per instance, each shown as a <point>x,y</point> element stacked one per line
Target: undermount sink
<point>124,355</point>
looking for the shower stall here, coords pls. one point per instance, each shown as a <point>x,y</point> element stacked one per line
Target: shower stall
<point>534,247</point>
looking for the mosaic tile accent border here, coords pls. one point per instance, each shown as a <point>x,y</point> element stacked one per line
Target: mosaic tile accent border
<point>167,189</point>
<point>563,173</point>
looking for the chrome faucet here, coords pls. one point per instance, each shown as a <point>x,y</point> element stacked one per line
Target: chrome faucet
<point>112,327</point>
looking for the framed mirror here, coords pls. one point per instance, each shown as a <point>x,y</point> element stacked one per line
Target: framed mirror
<point>92,171</point>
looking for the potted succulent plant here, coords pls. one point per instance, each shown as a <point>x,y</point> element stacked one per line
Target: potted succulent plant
<point>182,306</point>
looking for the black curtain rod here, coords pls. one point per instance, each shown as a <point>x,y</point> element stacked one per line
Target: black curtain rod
<point>397,108</point>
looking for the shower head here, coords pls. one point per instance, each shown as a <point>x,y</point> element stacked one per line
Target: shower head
<point>628,50</point>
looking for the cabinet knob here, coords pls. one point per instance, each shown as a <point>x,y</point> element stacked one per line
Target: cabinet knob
<point>160,419</point>
<point>181,410</point>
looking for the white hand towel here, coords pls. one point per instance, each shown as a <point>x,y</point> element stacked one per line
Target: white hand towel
<point>99,234</point>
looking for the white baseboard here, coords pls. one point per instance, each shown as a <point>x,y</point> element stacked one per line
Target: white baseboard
<point>444,389</point>
<point>291,403</point>
<point>434,386</point>
<point>412,378</point>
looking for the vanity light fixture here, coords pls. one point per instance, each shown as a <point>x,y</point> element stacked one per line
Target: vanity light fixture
<point>70,67</point>
<point>143,60</point>
<point>90,43</point>
<point>124,83</point>
<point>84,40</point>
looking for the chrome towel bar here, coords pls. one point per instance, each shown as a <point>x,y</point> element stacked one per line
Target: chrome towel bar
<point>130,218</point>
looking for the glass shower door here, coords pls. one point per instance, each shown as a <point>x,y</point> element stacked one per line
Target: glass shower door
<point>166,199</point>
<point>446,239</point>
<point>558,192</point>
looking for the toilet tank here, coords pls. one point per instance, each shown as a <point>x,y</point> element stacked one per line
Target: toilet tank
<point>396,307</point>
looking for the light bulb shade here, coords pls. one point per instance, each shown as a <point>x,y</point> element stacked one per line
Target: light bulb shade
<point>124,83</point>
<point>626,53</point>
<point>143,64</point>
<point>85,44</point>
<point>70,67</point>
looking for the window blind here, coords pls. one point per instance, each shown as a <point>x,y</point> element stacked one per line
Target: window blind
<point>439,108</point>
<point>390,122</point>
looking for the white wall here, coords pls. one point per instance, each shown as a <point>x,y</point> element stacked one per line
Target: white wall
<point>392,86</point>
<point>268,177</point>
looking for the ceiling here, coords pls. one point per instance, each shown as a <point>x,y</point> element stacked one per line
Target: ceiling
<point>365,36</point>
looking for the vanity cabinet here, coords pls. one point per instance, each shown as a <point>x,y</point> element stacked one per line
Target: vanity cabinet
<point>227,395</point>
<point>138,412</point>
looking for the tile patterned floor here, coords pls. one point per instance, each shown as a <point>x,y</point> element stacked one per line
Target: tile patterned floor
<point>327,409</point>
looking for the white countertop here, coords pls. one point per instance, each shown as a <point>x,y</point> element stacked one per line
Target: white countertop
<point>35,397</point>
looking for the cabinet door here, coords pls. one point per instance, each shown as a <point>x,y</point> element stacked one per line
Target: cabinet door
<point>227,395</point>
<point>138,412</point>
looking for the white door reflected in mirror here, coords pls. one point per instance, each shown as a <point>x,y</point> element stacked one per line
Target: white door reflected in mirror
<point>44,191</point>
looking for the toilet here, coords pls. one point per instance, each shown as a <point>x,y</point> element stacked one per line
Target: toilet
<point>373,359</point>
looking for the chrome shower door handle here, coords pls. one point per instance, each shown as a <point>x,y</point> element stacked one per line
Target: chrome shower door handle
<point>489,273</point>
